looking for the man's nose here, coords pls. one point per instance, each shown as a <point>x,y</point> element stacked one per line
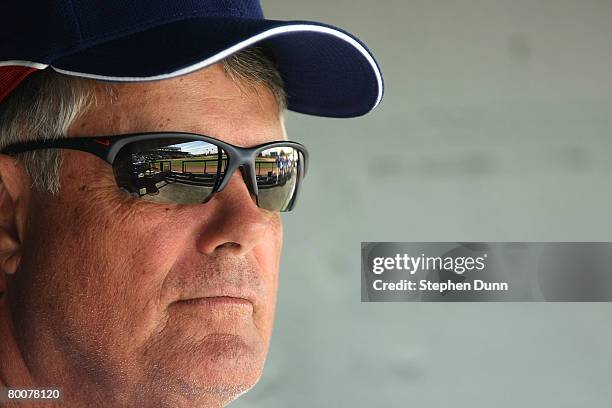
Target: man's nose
<point>236,223</point>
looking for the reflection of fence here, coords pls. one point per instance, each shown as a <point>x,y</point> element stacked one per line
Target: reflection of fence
<point>268,165</point>
<point>185,163</point>
<point>152,166</point>
<point>275,176</point>
<point>268,173</point>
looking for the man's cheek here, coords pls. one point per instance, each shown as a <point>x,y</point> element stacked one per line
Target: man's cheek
<point>114,294</point>
<point>117,249</point>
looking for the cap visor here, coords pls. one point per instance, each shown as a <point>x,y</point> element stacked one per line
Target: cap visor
<point>326,71</point>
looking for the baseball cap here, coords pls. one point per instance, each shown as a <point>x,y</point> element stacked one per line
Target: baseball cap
<point>326,70</point>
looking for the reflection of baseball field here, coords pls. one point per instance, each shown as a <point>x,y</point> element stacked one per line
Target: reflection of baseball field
<point>179,193</point>
<point>173,190</point>
<point>188,194</point>
<point>199,168</point>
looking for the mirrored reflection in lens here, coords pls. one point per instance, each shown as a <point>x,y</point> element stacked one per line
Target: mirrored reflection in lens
<point>277,170</point>
<point>172,170</point>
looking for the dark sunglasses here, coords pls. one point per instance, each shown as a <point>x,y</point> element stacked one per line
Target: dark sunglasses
<point>186,168</point>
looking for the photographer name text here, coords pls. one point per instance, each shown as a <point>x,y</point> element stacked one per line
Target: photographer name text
<point>411,265</point>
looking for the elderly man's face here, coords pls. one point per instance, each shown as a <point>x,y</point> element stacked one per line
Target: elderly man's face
<point>148,302</point>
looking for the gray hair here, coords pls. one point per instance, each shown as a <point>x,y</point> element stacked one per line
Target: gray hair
<point>47,103</point>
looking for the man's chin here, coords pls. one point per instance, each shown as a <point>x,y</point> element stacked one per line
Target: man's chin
<point>220,367</point>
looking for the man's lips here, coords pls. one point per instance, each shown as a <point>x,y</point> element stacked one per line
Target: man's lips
<point>215,301</point>
<point>229,296</point>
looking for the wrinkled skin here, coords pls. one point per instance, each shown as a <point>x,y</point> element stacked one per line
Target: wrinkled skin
<point>95,282</point>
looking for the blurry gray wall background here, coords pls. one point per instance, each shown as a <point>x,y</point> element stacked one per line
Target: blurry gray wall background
<point>496,126</point>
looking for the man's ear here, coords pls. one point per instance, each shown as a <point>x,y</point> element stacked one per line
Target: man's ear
<point>14,196</point>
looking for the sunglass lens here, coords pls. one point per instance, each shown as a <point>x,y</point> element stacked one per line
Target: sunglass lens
<point>278,170</point>
<point>171,170</point>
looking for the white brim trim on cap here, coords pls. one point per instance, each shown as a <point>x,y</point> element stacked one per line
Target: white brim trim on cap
<point>19,63</point>
<point>221,55</point>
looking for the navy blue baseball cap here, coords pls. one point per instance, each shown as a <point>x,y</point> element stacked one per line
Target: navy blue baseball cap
<point>326,71</point>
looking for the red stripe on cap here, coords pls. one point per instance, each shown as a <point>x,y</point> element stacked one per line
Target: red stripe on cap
<point>11,76</point>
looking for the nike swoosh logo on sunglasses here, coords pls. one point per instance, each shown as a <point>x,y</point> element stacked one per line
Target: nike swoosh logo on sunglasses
<point>104,142</point>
